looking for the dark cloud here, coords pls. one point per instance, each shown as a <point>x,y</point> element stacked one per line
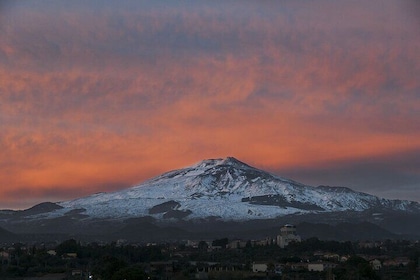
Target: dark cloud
<point>395,176</point>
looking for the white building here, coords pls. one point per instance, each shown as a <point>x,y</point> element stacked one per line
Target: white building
<point>376,264</point>
<point>315,267</point>
<point>287,235</point>
<point>321,266</point>
<point>259,267</point>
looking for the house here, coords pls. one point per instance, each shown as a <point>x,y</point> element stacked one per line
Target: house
<point>297,266</point>
<point>321,266</point>
<point>315,266</point>
<point>263,242</point>
<point>236,244</point>
<point>375,264</point>
<point>4,257</point>
<point>259,267</point>
<point>52,252</point>
<point>331,256</point>
<point>68,256</point>
<point>76,272</point>
<point>344,258</point>
<point>369,244</point>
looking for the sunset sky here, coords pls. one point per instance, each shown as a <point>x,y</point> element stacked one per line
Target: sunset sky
<point>96,96</point>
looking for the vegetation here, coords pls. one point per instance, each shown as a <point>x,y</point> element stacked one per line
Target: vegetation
<point>178,261</point>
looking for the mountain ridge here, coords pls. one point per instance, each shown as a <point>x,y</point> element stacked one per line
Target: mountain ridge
<point>224,196</point>
<point>229,189</point>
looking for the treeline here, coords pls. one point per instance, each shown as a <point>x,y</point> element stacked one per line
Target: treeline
<point>112,261</point>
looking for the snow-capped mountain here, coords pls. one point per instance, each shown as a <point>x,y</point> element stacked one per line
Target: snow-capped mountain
<point>227,189</point>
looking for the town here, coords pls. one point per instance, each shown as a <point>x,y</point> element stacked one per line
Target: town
<point>285,256</point>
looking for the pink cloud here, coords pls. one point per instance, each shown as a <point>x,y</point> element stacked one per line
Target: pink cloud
<point>119,94</point>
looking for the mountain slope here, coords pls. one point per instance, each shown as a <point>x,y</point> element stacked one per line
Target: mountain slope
<point>226,189</point>
<point>6,235</point>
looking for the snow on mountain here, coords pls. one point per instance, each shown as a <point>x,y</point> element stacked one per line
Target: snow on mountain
<point>225,188</point>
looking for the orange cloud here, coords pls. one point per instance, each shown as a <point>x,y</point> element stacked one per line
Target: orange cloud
<point>99,102</point>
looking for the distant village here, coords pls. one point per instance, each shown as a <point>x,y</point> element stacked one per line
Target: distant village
<point>285,256</point>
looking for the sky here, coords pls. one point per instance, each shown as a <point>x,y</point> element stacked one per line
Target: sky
<point>98,96</point>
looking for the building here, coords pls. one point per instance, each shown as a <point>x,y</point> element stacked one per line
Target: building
<point>259,267</point>
<point>236,244</point>
<point>321,266</point>
<point>4,257</point>
<point>52,252</point>
<point>376,264</point>
<point>287,235</point>
<point>315,266</point>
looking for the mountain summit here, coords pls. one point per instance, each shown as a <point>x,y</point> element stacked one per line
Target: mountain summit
<point>214,197</point>
<point>226,189</point>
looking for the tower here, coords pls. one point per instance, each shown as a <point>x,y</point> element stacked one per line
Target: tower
<point>287,235</point>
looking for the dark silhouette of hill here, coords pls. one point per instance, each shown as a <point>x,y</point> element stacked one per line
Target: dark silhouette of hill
<point>345,231</point>
<point>6,236</point>
<point>41,208</point>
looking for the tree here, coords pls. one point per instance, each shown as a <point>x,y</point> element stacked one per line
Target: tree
<point>220,242</point>
<point>358,268</point>
<point>202,246</point>
<point>68,246</point>
<point>108,266</point>
<point>134,272</point>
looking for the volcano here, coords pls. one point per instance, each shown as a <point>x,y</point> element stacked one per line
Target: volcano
<point>225,191</point>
